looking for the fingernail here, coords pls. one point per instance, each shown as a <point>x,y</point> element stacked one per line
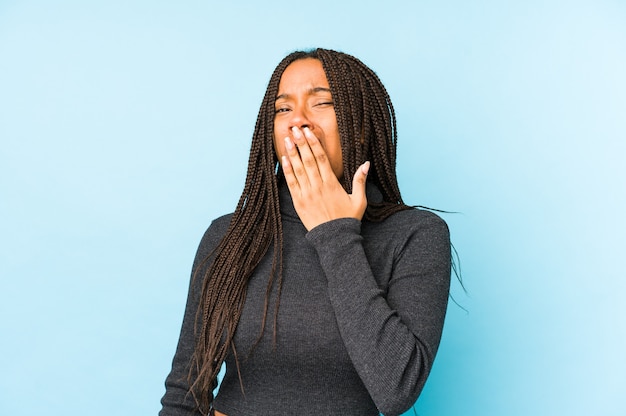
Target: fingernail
<point>366,167</point>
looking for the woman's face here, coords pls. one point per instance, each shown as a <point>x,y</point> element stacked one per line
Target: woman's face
<point>304,99</point>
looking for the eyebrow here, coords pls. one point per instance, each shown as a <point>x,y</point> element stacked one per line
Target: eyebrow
<point>311,91</point>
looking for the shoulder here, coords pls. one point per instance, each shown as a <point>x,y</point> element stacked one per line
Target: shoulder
<point>409,243</point>
<point>217,229</point>
<point>417,216</point>
<point>410,222</point>
<point>213,235</point>
<point>414,232</point>
<point>220,223</point>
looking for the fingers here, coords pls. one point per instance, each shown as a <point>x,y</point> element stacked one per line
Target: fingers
<point>322,163</point>
<point>307,158</point>
<point>293,168</point>
<point>328,201</point>
<point>293,179</point>
<point>358,185</point>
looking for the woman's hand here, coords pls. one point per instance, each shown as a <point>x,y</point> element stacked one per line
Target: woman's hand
<point>316,192</point>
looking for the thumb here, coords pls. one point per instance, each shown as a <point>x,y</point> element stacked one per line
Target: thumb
<point>358,183</point>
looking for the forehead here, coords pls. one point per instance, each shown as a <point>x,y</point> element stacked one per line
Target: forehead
<point>305,73</point>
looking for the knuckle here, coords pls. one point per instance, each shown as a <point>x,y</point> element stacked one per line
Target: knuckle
<point>321,157</point>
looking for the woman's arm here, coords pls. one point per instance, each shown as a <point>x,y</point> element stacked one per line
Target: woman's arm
<point>391,336</point>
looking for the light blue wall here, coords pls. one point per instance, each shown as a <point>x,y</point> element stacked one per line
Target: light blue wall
<point>124,129</point>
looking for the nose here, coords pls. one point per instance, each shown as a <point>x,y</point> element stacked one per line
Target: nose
<point>300,119</point>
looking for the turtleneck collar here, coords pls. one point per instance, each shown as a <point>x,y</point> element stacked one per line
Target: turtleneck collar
<point>287,210</point>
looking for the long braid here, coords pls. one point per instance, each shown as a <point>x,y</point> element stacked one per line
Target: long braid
<point>367,129</point>
<point>371,132</point>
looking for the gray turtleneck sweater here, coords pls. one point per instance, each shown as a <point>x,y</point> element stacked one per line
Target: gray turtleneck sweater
<point>360,318</point>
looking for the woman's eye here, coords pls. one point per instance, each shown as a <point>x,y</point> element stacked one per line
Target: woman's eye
<point>325,103</point>
<point>281,110</point>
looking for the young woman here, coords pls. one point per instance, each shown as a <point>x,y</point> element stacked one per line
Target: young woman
<point>323,292</point>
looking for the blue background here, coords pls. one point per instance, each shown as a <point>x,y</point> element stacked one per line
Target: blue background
<point>125,126</point>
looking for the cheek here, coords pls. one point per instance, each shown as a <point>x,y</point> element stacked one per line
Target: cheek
<point>335,154</point>
<point>334,142</point>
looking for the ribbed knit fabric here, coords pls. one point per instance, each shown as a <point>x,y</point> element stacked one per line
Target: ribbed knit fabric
<point>360,319</point>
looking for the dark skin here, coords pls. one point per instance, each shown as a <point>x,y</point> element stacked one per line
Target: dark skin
<point>316,192</point>
<point>307,142</point>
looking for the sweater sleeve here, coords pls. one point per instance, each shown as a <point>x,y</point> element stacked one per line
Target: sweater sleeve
<point>392,333</point>
<point>177,400</point>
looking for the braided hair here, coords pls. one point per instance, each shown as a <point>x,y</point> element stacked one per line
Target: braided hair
<point>367,130</point>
